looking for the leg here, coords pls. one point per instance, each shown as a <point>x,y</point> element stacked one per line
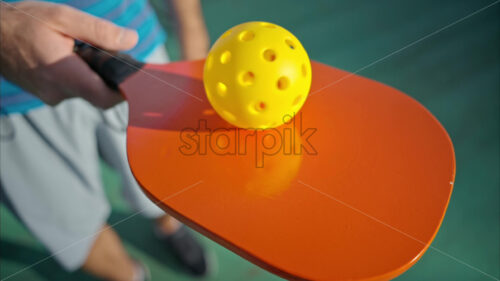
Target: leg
<point>112,145</point>
<point>167,224</point>
<point>111,138</point>
<point>107,253</point>
<point>50,175</point>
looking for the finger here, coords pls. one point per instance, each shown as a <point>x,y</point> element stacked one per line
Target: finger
<point>98,32</point>
<point>78,79</point>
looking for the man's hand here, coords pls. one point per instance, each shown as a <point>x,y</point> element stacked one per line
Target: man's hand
<point>36,51</point>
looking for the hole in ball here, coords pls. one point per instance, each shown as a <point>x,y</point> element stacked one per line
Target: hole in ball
<point>221,89</point>
<point>225,57</point>
<point>304,70</point>
<point>260,106</point>
<point>246,35</point>
<point>226,34</point>
<point>290,43</point>
<point>283,83</point>
<point>209,62</point>
<point>269,55</point>
<point>297,100</point>
<point>247,78</point>
<point>268,25</point>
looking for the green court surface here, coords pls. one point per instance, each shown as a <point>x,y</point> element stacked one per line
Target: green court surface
<point>436,51</point>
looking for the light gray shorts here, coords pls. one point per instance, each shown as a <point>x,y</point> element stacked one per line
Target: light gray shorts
<point>50,176</point>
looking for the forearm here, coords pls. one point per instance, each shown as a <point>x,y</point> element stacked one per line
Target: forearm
<point>191,28</point>
<point>188,13</point>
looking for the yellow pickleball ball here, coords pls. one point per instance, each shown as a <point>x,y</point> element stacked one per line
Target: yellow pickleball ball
<point>257,75</point>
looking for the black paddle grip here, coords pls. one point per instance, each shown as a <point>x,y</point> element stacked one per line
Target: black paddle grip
<point>113,67</point>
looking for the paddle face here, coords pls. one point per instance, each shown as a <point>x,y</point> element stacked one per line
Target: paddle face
<point>355,187</point>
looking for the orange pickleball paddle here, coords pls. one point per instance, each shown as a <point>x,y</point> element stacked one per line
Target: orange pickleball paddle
<point>356,191</point>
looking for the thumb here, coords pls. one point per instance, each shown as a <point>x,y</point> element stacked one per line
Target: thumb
<point>98,32</point>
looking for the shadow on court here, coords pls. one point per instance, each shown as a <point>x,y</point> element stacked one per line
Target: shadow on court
<point>26,256</point>
<point>137,231</point>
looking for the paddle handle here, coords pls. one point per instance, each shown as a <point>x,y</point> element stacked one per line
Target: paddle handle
<point>113,67</point>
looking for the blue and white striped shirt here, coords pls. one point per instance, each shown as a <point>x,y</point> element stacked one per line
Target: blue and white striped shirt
<point>134,14</point>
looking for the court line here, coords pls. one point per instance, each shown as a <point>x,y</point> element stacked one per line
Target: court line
<point>405,47</point>
<point>106,52</point>
<point>397,230</point>
<point>101,230</point>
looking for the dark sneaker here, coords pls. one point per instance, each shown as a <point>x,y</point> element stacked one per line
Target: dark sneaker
<point>185,247</point>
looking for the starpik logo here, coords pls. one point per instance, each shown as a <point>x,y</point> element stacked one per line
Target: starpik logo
<point>291,138</point>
